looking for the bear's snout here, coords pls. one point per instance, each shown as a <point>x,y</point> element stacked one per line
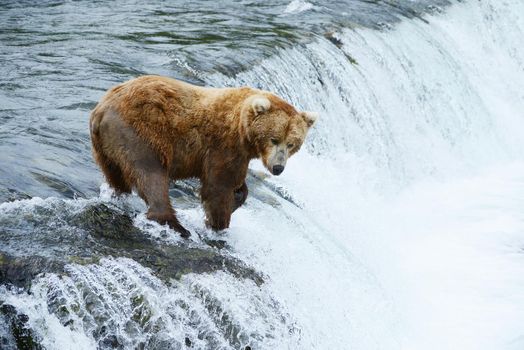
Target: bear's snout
<point>277,169</point>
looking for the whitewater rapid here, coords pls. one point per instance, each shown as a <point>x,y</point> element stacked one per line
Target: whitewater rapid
<point>412,228</point>
<point>404,223</point>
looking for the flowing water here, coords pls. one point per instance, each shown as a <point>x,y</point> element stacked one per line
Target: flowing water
<point>400,225</point>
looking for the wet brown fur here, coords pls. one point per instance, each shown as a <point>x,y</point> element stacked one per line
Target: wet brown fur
<point>152,129</point>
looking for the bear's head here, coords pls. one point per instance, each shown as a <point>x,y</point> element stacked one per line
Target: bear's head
<point>275,129</point>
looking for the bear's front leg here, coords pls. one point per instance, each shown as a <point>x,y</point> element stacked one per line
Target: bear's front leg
<point>168,217</point>
<point>218,204</point>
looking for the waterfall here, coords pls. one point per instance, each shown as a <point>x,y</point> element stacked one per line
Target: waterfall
<point>414,121</point>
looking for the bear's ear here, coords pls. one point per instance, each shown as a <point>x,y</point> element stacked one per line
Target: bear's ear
<point>260,104</point>
<point>310,118</point>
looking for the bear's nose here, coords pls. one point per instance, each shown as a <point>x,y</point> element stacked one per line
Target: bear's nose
<point>278,169</point>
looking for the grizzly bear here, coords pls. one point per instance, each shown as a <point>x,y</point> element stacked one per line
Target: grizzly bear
<point>150,130</point>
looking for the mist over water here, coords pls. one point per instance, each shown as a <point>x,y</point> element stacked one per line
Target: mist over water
<point>400,225</point>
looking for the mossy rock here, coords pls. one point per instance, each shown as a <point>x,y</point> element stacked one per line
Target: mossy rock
<point>101,230</point>
<point>21,337</point>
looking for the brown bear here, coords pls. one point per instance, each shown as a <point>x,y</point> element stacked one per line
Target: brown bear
<point>152,129</point>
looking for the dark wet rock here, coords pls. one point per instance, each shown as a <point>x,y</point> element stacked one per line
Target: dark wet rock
<point>20,335</point>
<point>338,43</point>
<point>216,243</point>
<point>97,231</point>
<point>20,271</point>
<point>188,342</point>
<point>116,236</point>
<point>333,39</point>
<point>107,224</point>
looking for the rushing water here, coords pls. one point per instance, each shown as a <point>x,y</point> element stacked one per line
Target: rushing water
<point>400,225</point>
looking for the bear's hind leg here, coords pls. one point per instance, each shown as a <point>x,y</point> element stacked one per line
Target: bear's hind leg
<point>115,178</point>
<point>153,187</point>
<point>139,166</point>
<point>112,172</point>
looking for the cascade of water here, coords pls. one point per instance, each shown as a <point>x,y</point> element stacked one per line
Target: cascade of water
<point>432,102</point>
<point>421,99</point>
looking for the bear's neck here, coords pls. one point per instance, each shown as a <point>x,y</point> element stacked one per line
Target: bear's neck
<point>226,106</point>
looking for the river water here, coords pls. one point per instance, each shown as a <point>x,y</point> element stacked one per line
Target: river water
<point>400,225</point>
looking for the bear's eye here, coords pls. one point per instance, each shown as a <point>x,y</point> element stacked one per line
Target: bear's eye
<point>290,145</point>
<point>274,141</point>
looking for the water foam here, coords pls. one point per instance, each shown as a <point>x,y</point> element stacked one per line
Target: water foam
<point>412,184</point>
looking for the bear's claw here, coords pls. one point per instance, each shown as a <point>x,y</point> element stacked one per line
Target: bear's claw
<point>180,229</point>
<point>171,220</point>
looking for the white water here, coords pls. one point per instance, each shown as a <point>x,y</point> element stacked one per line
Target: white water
<point>412,228</point>
<point>297,6</point>
<point>410,233</point>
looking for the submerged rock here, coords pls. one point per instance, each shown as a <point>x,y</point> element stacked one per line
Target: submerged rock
<point>97,231</point>
<point>18,335</point>
<point>20,271</point>
<point>167,261</point>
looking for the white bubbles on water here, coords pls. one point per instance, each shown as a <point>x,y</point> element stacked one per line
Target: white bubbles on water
<point>118,302</point>
<point>297,6</point>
